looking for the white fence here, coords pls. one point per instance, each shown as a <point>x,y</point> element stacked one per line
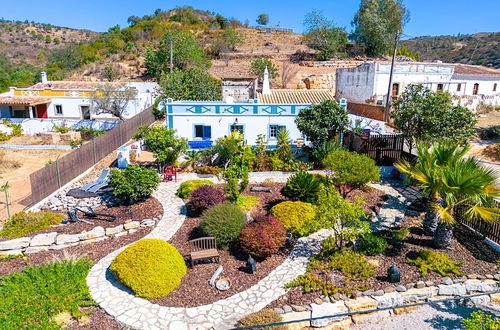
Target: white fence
<point>32,126</point>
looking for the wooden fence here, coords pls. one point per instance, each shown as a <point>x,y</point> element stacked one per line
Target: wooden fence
<point>51,177</point>
<point>384,149</point>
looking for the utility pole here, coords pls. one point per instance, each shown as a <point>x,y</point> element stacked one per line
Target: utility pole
<point>171,55</point>
<point>389,89</point>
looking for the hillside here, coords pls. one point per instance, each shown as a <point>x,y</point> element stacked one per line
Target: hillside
<point>479,48</point>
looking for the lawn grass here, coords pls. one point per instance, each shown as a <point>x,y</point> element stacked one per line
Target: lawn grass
<point>30,298</point>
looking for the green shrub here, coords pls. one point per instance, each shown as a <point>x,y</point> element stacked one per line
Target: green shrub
<point>235,181</point>
<point>428,260</point>
<point>23,223</point>
<point>372,244</point>
<point>297,217</point>
<point>133,183</point>
<point>352,264</point>
<point>31,298</point>
<point>187,187</point>
<point>224,222</point>
<point>207,170</point>
<point>61,129</point>
<point>302,186</point>
<point>247,203</point>
<point>479,320</point>
<point>152,268</point>
<point>400,234</point>
<point>265,316</point>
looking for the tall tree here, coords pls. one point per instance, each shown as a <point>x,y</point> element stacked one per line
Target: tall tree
<point>191,84</point>
<point>425,115</point>
<point>112,99</point>
<point>258,66</point>
<point>322,122</point>
<point>322,35</point>
<point>186,53</point>
<point>263,19</point>
<point>377,23</point>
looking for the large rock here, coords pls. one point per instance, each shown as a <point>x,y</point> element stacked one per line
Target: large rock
<point>35,249</point>
<point>11,252</point>
<point>389,300</point>
<point>15,244</point>
<point>371,318</point>
<point>43,239</point>
<point>63,239</point>
<point>361,304</point>
<point>294,316</point>
<point>326,309</point>
<point>114,230</point>
<point>132,225</point>
<point>452,290</point>
<point>480,286</point>
<point>96,232</point>
<point>413,295</point>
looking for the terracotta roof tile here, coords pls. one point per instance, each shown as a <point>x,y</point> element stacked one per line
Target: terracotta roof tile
<point>475,70</point>
<point>23,100</point>
<point>296,96</point>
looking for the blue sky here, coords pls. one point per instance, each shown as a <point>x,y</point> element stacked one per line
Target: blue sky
<point>427,17</point>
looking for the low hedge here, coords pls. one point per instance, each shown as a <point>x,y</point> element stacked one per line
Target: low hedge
<point>224,222</point>
<point>297,217</point>
<point>152,268</point>
<point>187,187</point>
<point>23,223</point>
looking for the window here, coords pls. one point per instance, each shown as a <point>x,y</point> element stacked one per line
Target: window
<point>459,87</point>
<point>439,88</point>
<point>236,128</point>
<point>395,89</point>
<point>495,87</point>
<point>273,131</point>
<point>85,109</point>
<point>59,110</point>
<point>475,90</point>
<point>202,132</point>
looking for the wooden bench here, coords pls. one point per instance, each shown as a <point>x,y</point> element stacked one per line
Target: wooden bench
<point>204,248</point>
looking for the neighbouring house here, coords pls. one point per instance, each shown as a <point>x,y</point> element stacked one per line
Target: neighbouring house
<point>239,88</point>
<point>69,100</point>
<point>203,122</point>
<point>473,86</point>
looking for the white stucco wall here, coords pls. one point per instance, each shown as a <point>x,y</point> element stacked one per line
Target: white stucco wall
<point>355,84</point>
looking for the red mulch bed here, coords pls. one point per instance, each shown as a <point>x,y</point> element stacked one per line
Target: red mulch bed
<point>477,257</point>
<point>146,209</point>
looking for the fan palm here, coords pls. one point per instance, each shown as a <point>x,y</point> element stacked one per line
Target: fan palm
<point>427,172</point>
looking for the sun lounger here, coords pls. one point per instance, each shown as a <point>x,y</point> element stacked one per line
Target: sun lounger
<point>99,186</point>
<point>73,217</point>
<point>104,176</point>
<point>91,214</point>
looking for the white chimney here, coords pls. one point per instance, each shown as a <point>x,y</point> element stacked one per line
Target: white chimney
<point>266,90</point>
<point>44,77</point>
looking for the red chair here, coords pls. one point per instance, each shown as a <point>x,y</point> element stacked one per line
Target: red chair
<point>171,173</point>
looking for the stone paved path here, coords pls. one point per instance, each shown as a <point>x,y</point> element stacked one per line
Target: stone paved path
<point>139,313</point>
<point>393,210</point>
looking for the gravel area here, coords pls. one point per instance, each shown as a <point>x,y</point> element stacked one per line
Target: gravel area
<point>435,316</point>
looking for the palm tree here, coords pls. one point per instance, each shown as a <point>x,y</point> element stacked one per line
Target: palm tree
<point>427,173</point>
<point>469,187</point>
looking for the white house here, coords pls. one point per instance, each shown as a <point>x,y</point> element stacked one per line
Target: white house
<point>68,100</point>
<point>473,86</point>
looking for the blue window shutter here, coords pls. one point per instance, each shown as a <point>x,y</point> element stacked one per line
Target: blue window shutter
<point>207,132</point>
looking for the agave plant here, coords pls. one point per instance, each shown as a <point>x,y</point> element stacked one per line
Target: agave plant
<point>302,186</point>
<point>427,172</point>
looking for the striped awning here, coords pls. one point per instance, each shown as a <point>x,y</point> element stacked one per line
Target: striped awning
<point>296,96</point>
<point>24,100</point>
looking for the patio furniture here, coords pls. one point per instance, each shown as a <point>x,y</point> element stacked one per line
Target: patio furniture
<point>91,214</point>
<point>204,248</point>
<point>99,186</point>
<point>104,175</point>
<point>73,217</point>
<point>171,173</point>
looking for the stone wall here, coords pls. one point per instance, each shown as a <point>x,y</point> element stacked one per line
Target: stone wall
<point>57,241</point>
<point>367,110</point>
<point>387,301</point>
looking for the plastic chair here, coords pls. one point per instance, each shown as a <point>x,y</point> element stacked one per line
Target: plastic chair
<point>171,173</point>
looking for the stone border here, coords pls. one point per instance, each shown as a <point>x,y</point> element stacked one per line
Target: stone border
<point>327,306</point>
<point>55,241</point>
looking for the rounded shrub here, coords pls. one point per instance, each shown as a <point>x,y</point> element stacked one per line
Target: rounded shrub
<point>262,317</point>
<point>297,217</point>
<point>263,237</point>
<point>224,222</point>
<point>187,187</point>
<point>372,244</point>
<point>205,197</point>
<point>302,186</point>
<point>133,183</point>
<point>23,223</point>
<point>152,268</point>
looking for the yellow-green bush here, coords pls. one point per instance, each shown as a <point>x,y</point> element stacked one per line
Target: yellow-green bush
<point>152,268</point>
<point>263,317</point>
<point>23,223</point>
<point>187,187</point>
<point>297,217</point>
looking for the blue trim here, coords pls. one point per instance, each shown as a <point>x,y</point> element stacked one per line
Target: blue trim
<point>203,138</point>
<point>269,137</point>
<point>170,122</point>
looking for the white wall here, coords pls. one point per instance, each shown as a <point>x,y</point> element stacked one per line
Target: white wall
<point>355,84</point>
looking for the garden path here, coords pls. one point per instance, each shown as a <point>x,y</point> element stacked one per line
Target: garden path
<point>400,196</point>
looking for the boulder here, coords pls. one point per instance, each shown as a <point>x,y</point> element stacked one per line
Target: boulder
<point>94,233</point>
<point>43,239</point>
<point>480,286</point>
<point>371,318</point>
<point>294,316</point>
<point>326,309</point>
<point>389,300</point>
<point>64,239</point>
<point>452,290</point>
<point>413,295</point>
<point>361,304</point>
<point>132,225</point>
<point>148,223</point>
<point>35,249</point>
<point>114,230</point>
<point>11,252</point>
<point>15,244</point>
